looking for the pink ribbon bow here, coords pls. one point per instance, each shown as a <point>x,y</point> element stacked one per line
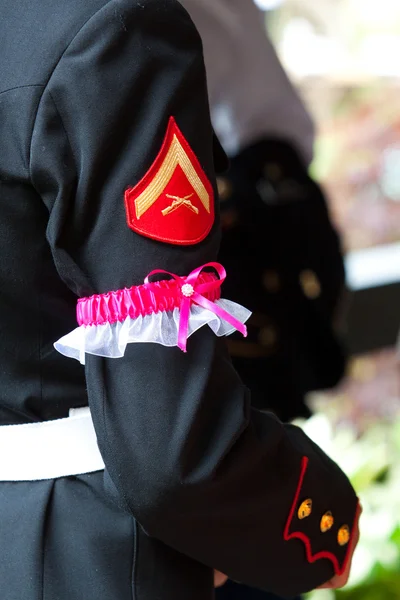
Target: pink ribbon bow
<point>192,293</point>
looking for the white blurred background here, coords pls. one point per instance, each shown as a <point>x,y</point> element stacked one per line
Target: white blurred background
<point>344,55</point>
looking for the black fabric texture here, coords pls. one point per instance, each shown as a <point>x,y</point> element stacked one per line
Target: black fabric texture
<point>234,591</point>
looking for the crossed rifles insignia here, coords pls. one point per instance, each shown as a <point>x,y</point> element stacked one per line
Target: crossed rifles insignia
<point>178,202</point>
<point>176,175</point>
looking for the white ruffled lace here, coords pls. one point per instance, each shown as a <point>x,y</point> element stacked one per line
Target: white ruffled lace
<point>110,340</point>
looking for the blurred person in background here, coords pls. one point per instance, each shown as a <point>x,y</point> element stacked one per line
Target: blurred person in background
<point>279,246</point>
<point>281,249</point>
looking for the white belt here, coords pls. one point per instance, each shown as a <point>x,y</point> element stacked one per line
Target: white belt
<point>50,449</point>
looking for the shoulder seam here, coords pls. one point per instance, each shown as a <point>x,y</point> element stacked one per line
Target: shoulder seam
<point>21,87</point>
<point>51,75</point>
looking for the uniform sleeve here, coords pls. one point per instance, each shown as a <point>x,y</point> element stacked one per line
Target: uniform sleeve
<point>193,463</point>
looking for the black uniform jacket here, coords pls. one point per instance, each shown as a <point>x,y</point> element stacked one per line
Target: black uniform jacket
<point>195,479</point>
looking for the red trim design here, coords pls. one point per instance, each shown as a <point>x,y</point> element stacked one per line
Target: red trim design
<point>174,201</point>
<point>312,558</point>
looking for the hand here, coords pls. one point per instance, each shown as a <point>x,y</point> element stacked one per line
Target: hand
<point>219,579</point>
<point>339,581</point>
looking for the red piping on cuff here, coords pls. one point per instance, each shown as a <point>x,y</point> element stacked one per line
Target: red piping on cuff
<point>311,558</point>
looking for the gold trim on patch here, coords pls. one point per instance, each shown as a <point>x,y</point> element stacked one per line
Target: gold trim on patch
<point>176,156</point>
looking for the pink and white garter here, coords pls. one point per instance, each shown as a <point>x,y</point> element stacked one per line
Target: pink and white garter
<point>164,312</point>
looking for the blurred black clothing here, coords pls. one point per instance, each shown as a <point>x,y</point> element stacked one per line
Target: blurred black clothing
<point>284,261</point>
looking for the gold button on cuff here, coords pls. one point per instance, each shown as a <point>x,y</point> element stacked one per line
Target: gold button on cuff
<point>310,284</point>
<point>327,522</point>
<point>343,535</point>
<point>305,509</point>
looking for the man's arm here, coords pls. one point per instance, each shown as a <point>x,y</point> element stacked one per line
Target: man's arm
<point>192,462</point>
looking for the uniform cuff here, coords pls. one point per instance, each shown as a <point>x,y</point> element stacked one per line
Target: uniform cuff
<point>326,529</point>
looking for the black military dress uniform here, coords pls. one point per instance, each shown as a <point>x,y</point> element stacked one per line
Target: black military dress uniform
<point>194,479</point>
